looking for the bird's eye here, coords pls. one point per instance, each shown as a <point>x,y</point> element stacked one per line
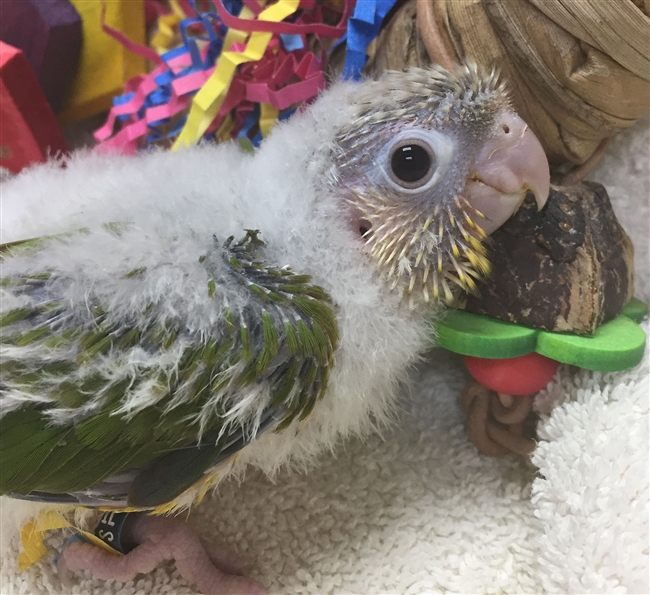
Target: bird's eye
<point>411,163</point>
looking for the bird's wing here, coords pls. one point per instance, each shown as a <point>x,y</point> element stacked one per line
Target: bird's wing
<point>88,398</point>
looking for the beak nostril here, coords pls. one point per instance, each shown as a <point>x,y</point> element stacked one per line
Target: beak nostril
<point>505,128</point>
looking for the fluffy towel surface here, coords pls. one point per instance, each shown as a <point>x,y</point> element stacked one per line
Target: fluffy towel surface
<point>419,511</point>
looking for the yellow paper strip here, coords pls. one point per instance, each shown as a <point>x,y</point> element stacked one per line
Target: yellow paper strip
<point>33,533</point>
<point>223,132</point>
<point>209,99</point>
<point>166,33</point>
<point>234,36</point>
<point>268,118</point>
<point>31,536</point>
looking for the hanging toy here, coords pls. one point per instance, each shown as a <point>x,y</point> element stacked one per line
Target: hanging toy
<point>561,291</point>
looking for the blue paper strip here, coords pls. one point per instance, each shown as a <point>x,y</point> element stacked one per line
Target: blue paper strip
<point>291,42</point>
<point>363,27</point>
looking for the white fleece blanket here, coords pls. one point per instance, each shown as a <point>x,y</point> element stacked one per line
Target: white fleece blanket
<point>420,511</point>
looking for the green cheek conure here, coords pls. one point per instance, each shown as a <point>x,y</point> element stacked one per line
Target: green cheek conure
<point>171,318</point>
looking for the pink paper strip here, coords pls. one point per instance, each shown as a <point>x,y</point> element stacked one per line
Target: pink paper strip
<point>167,110</point>
<point>147,85</point>
<point>191,82</point>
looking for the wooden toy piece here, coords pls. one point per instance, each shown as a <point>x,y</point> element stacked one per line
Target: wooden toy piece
<point>560,292</point>
<point>616,345</point>
<point>29,131</point>
<point>564,275</point>
<point>507,372</point>
<point>567,268</point>
<point>49,32</point>
<point>105,64</point>
<point>635,310</point>
<point>481,336</point>
<point>518,376</point>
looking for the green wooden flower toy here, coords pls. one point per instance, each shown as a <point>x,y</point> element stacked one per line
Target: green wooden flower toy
<point>518,360</point>
<point>560,291</point>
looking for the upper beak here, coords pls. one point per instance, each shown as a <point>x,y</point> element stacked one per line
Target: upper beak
<point>509,165</point>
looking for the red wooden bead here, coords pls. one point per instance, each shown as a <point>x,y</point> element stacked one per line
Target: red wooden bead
<point>524,375</point>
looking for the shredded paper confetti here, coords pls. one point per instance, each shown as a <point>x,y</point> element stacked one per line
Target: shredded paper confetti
<point>231,69</point>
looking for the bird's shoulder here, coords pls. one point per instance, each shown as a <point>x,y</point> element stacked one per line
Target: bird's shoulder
<point>89,391</point>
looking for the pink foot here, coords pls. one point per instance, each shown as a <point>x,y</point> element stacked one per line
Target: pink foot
<point>159,539</point>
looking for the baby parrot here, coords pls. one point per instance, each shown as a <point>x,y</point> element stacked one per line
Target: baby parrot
<point>171,318</point>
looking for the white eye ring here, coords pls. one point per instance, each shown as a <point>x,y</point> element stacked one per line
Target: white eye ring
<point>439,147</point>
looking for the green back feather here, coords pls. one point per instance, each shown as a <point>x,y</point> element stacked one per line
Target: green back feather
<point>71,430</point>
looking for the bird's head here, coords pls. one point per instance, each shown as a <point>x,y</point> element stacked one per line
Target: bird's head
<point>432,164</point>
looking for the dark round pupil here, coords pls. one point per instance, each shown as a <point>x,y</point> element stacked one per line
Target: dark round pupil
<point>410,163</point>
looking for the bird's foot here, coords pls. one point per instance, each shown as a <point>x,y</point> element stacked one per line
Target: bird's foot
<point>160,539</point>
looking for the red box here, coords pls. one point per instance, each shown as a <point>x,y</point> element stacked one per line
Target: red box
<point>29,131</point>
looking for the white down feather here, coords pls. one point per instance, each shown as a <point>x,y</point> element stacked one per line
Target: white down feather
<point>285,191</point>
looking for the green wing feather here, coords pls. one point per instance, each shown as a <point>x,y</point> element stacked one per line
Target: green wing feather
<point>65,426</point>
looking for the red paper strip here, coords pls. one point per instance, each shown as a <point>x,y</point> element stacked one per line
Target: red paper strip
<point>132,46</point>
<point>287,96</point>
<point>253,6</point>
<point>282,78</point>
<point>251,26</point>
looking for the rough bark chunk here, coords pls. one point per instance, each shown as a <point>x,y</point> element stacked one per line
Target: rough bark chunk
<point>569,267</point>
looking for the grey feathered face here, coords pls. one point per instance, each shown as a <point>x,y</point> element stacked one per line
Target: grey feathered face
<point>434,163</point>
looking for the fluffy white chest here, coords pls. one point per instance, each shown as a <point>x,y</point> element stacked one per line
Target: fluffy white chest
<point>188,197</point>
